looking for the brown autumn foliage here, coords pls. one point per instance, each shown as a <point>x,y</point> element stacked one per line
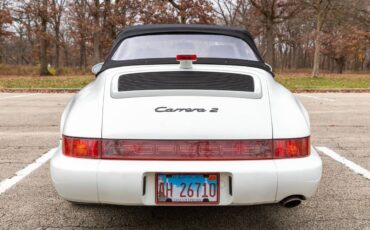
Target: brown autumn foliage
<point>5,21</point>
<point>291,34</point>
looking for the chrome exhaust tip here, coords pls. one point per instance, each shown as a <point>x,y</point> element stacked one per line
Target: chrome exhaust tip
<point>292,201</point>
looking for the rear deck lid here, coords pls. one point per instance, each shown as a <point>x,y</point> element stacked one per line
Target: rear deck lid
<point>186,105</point>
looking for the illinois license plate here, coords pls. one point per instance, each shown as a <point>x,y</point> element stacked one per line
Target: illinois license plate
<point>187,188</point>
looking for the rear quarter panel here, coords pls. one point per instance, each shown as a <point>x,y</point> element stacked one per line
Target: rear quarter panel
<point>289,118</point>
<point>83,115</point>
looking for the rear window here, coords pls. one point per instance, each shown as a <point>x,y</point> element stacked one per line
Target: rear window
<point>169,45</point>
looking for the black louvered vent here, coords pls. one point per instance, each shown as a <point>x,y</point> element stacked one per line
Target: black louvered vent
<point>186,80</point>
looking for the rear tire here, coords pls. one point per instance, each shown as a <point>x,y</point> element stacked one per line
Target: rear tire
<point>75,203</point>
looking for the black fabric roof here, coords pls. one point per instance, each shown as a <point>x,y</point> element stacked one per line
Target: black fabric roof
<point>183,29</point>
<point>186,28</point>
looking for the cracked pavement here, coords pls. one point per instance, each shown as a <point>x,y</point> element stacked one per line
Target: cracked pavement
<point>29,127</point>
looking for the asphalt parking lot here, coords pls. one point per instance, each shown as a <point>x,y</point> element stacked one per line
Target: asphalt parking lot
<point>29,126</point>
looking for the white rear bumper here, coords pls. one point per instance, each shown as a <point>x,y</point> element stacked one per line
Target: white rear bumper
<point>122,182</point>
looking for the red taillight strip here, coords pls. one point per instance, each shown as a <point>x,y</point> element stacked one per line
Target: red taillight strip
<point>292,148</point>
<point>186,149</point>
<point>81,147</point>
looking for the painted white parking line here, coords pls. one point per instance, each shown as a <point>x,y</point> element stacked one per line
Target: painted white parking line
<point>15,96</point>
<point>8,183</point>
<point>315,97</point>
<point>351,165</point>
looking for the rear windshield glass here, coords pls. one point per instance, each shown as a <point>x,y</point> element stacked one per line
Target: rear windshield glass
<point>169,45</point>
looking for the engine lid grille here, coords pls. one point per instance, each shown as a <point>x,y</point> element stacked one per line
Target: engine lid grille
<point>186,80</point>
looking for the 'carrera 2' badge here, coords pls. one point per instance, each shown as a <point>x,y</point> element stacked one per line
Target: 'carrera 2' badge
<point>164,109</point>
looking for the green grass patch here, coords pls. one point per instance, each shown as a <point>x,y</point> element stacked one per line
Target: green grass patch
<point>330,81</point>
<point>54,82</point>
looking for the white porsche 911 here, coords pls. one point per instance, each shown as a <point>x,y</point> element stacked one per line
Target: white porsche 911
<point>185,115</point>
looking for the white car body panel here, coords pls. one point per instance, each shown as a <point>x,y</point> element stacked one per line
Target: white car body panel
<point>83,115</point>
<point>289,118</point>
<point>182,125</point>
<point>271,112</point>
<point>121,182</point>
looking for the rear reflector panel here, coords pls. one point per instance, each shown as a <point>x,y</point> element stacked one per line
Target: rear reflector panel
<point>186,150</point>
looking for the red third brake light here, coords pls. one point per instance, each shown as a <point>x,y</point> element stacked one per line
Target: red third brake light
<point>186,57</point>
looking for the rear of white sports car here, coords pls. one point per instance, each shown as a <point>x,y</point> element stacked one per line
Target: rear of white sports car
<point>149,133</point>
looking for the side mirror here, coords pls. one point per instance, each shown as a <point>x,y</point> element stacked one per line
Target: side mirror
<point>96,68</point>
<point>268,65</point>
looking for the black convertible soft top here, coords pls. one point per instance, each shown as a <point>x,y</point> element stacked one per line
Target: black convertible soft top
<point>184,29</point>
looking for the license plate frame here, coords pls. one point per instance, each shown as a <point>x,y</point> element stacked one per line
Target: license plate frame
<point>186,202</point>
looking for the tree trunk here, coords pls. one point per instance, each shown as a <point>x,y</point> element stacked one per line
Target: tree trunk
<point>181,11</point>
<point>96,34</point>
<point>57,51</point>
<point>1,55</point>
<point>316,60</point>
<point>66,56</point>
<point>297,57</point>
<point>340,64</point>
<point>111,26</point>
<point>44,41</point>
<point>56,17</point>
<point>270,43</point>
<point>96,42</point>
<point>83,55</point>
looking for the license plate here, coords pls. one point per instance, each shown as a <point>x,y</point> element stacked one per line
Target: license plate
<point>187,188</point>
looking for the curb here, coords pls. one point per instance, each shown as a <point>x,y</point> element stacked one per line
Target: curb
<point>23,90</point>
<point>75,90</point>
<point>355,90</point>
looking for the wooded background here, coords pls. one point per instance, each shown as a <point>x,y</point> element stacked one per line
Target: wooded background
<point>329,35</point>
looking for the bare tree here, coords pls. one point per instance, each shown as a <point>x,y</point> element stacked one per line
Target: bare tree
<point>95,8</point>
<point>289,33</point>
<point>321,8</point>
<point>79,19</point>
<point>44,19</point>
<point>344,38</point>
<point>228,11</point>
<point>5,21</point>
<point>195,11</point>
<point>273,12</point>
<point>56,12</point>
